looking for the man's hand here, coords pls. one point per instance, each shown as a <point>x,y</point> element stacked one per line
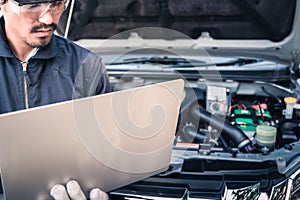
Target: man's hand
<point>73,192</point>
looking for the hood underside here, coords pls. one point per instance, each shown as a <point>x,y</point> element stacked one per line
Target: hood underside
<point>223,19</point>
<point>266,29</point>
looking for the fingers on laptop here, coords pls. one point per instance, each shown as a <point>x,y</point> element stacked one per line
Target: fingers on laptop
<point>58,192</point>
<point>73,190</point>
<point>97,194</point>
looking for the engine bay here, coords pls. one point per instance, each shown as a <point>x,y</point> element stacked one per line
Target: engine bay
<point>225,116</point>
<point>217,147</point>
<point>250,116</point>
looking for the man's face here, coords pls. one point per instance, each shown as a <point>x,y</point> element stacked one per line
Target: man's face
<point>33,28</point>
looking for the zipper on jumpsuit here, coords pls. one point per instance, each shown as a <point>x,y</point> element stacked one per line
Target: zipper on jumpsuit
<point>24,66</point>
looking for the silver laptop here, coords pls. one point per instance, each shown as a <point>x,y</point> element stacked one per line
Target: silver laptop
<point>105,141</point>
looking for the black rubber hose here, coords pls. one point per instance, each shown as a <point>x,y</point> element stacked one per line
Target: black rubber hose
<point>238,137</point>
<point>191,132</point>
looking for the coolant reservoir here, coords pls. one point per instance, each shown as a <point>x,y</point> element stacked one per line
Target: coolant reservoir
<point>266,136</point>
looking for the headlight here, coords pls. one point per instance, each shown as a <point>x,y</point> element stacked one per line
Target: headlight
<point>251,192</point>
<point>293,185</point>
<point>287,189</point>
<point>279,191</point>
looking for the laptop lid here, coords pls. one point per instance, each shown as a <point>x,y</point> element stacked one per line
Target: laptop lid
<point>105,141</point>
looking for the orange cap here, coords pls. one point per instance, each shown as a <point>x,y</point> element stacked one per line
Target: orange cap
<point>290,100</point>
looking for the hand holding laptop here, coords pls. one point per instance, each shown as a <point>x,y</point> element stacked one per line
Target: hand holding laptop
<point>73,190</point>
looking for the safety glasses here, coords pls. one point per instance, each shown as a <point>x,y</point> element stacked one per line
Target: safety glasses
<point>39,8</point>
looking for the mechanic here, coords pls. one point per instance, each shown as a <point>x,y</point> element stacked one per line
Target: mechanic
<point>39,68</point>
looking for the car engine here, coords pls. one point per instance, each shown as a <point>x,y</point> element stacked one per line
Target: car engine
<point>237,114</point>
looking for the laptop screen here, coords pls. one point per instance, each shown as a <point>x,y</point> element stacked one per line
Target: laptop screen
<point>105,141</point>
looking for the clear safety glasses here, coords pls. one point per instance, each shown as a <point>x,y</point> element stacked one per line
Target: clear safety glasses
<point>39,9</point>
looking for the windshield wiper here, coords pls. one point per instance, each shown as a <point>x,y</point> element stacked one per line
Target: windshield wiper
<point>239,62</point>
<point>165,60</point>
<point>178,62</point>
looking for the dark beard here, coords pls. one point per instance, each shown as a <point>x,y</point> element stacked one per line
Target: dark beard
<point>43,41</point>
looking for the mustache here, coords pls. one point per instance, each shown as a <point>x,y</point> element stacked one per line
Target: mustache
<point>43,26</point>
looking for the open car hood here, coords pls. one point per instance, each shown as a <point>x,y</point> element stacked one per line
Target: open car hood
<point>257,28</point>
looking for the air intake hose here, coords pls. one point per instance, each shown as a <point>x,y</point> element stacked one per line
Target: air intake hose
<point>236,135</point>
